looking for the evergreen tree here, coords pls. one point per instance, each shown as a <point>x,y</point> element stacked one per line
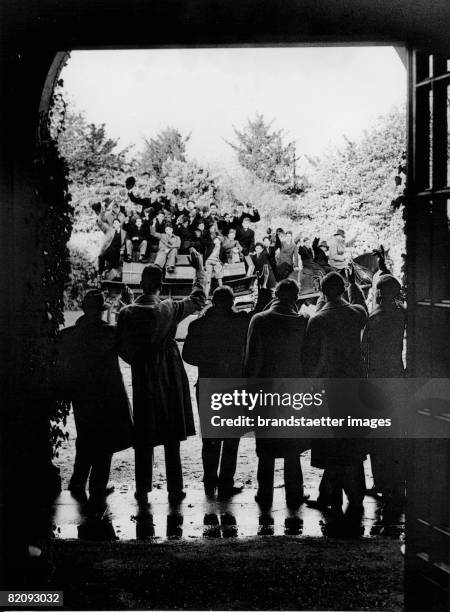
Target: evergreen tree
<point>265,153</point>
<point>169,144</point>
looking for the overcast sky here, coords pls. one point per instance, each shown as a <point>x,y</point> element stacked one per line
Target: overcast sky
<point>316,95</point>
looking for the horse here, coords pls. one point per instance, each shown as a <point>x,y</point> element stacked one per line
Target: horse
<point>365,266</point>
<point>370,261</point>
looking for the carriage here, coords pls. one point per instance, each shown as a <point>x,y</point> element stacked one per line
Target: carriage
<point>178,284</point>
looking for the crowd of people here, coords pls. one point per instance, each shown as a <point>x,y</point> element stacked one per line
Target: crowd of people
<point>345,338</point>
<point>158,228</point>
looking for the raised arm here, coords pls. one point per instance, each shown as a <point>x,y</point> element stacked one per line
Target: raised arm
<point>145,202</point>
<point>153,231</point>
<point>254,216</point>
<point>355,294</point>
<point>197,299</point>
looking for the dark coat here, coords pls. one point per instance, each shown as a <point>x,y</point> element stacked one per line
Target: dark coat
<point>383,342</point>
<point>259,261</point>
<point>382,349</point>
<point>333,350</point>
<point>215,343</point>
<point>275,350</point>
<point>105,223</point>
<point>161,397</point>
<point>306,253</point>
<point>144,202</point>
<point>237,219</point>
<point>246,238</point>
<point>89,375</point>
<point>271,255</point>
<point>186,236</point>
<point>208,248</point>
<point>320,257</point>
<point>136,233</point>
<point>333,338</point>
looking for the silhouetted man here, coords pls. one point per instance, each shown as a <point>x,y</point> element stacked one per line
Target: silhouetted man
<point>161,397</point>
<point>383,349</point>
<point>88,362</point>
<point>275,350</point>
<point>333,350</point>
<point>215,343</point>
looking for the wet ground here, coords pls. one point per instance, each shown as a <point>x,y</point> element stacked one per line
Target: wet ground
<point>197,516</point>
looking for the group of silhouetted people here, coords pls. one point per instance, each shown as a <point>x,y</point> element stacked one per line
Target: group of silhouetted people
<point>341,340</point>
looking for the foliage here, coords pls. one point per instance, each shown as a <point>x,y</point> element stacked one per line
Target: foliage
<point>90,154</point>
<point>354,187</point>
<point>83,276</point>
<point>96,170</point>
<point>169,144</point>
<point>241,185</point>
<point>55,225</point>
<point>358,187</point>
<point>265,154</point>
<point>188,177</point>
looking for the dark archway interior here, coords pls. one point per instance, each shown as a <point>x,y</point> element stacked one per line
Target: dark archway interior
<point>32,41</point>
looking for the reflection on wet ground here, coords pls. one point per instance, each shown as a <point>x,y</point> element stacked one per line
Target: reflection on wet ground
<point>201,517</point>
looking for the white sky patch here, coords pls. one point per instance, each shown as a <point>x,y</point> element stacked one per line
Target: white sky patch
<point>315,94</point>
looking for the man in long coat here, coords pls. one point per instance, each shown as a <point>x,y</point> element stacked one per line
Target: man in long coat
<point>382,350</point>
<point>215,343</point>
<point>89,375</point>
<point>275,350</point>
<point>333,350</point>
<point>161,397</point>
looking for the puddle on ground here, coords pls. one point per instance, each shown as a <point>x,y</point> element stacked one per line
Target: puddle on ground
<point>201,517</point>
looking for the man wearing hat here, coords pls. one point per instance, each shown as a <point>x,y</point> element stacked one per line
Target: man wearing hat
<point>336,256</point>
<point>89,372</point>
